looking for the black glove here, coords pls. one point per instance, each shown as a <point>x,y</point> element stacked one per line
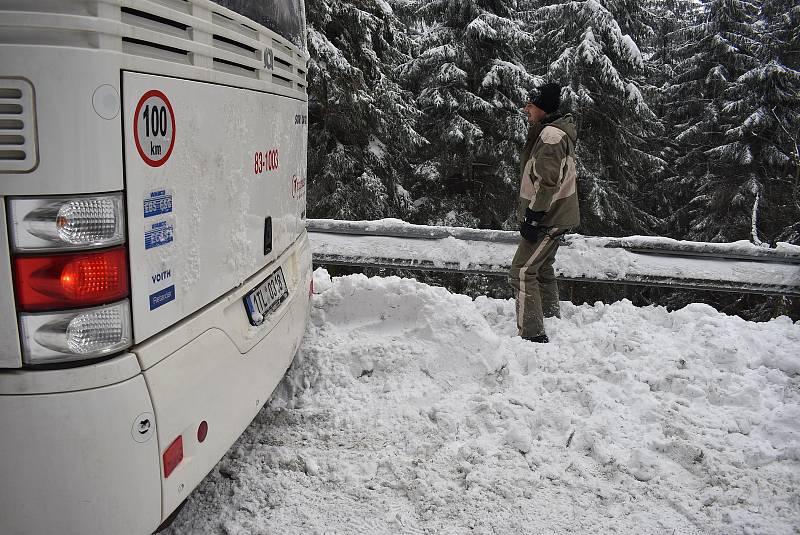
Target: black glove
<point>533,218</point>
<point>529,232</point>
<point>530,229</point>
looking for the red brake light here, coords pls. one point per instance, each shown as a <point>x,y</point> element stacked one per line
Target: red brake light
<point>173,456</point>
<point>71,280</point>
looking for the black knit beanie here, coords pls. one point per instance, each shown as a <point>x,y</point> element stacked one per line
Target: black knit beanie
<point>546,97</point>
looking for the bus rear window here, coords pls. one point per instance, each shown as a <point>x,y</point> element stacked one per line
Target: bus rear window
<point>285,17</point>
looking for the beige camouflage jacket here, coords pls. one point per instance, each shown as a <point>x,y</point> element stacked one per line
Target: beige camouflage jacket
<point>549,178</point>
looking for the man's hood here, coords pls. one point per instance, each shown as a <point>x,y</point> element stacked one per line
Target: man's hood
<point>565,123</point>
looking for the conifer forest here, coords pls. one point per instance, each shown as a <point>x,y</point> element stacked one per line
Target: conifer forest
<point>688,113</point>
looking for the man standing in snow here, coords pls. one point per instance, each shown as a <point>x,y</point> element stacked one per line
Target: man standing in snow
<point>548,208</point>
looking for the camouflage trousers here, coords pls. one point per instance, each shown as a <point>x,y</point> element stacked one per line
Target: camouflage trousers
<point>534,282</point>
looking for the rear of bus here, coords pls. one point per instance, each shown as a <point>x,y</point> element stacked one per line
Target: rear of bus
<point>155,272</point>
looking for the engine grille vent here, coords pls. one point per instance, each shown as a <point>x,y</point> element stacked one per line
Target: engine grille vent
<point>209,37</point>
<point>18,147</point>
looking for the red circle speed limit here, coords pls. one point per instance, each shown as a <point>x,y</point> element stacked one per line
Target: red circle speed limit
<point>154,128</point>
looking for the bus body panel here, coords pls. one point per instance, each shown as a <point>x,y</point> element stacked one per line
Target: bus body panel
<point>198,221</point>
<point>98,480</point>
<point>203,380</point>
<point>10,355</point>
<point>296,264</point>
<point>97,375</point>
<point>78,149</point>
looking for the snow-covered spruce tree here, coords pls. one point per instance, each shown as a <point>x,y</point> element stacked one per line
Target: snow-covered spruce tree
<point>764,110</point>
<point>783,27</point>
<point>361,131</point>
<point>470,84</point>
<point>582,45</point>
<point>717,183</point>
<point>669,18</point>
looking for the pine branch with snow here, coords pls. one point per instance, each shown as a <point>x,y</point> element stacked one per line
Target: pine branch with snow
<point>602,68</point>
<point>362,130</point>
<point>471,83</point>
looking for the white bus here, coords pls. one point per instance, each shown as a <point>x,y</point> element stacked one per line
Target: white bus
<point>155,272</point>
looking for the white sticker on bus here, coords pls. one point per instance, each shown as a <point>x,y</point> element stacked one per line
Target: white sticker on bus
<point>161,276</point>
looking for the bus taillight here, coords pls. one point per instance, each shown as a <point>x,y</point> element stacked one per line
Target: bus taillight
<point>71,280</point>
<point>40,224</point>
<point>74,335</point>
<point>70,268</point>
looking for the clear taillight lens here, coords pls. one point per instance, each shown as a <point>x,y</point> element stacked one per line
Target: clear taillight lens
<point>57,337</point>
<point>87,221</point>
<point>75,222</point>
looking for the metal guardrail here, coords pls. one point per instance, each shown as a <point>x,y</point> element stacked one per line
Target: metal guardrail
<point>662,246</point>
<point>642,244</point>
<point>639,260</point>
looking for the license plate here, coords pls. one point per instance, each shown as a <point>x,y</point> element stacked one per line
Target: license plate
<point>262,300</point>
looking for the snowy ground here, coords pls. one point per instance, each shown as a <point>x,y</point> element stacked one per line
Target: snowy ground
<point>413,410</point>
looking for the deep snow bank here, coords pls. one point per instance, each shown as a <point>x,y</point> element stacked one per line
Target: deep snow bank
<point>413,410</point>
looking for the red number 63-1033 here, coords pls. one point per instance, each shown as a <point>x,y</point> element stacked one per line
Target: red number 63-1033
<point>265,161</point>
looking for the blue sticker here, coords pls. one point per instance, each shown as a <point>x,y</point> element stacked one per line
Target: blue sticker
<point>162,297</point>
<point>159,234</point>
<point>157,203</point>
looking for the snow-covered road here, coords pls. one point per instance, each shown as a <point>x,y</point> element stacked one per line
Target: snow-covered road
<point>413,410</point>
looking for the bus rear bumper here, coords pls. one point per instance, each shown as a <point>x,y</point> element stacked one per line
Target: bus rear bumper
<point>207,391</point>
<point>79,462</point>
<point>209,386</point>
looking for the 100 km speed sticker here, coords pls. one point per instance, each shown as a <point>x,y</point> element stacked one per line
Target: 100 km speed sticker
<point>154,128</point>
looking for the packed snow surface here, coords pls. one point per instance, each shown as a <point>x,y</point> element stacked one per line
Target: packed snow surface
<point>413,410</point>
